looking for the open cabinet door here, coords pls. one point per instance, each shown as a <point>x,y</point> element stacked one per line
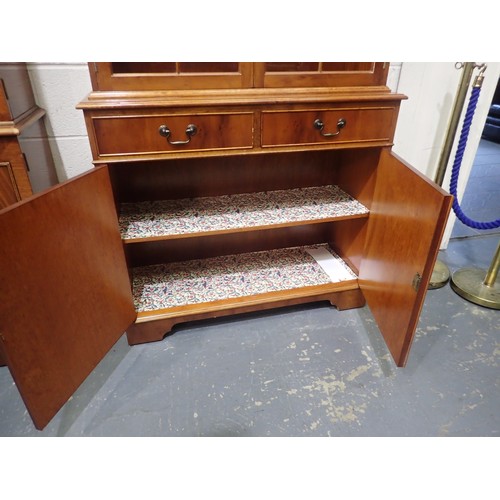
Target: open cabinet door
<point>406,223</point>
<point>65,295</point>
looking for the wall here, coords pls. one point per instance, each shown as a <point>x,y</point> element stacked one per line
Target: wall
<point>58,88</point>
<point>423,117</point>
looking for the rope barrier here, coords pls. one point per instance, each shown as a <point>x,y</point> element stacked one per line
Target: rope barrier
<point>471,108</point>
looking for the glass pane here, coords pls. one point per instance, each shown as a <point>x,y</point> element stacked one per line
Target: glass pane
<point>274,67</point>
<point>173,67</point>
<point>144,67</point>
<point>291,66</point>
<point>348,66</point>
<point>208,67</point>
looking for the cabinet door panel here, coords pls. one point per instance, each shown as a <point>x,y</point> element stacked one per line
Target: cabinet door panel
<point>406,223</point>
<point>65,296</point>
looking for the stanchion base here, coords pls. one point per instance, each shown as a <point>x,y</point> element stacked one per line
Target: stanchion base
<point>440,275</point>
<point>468,283</point>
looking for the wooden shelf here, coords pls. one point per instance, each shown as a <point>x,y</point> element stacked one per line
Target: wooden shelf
<point>155,220</point>
<point>175,285</point>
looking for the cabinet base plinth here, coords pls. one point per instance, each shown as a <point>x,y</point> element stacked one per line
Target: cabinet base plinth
<point>155,330</point>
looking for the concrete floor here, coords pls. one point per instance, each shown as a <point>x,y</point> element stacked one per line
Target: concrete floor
<point>302,371</point>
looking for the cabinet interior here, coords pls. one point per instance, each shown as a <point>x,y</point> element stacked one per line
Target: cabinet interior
<point>269,188</point>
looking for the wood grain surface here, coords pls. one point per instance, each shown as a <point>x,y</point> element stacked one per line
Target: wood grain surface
<point>407,219</point>
<point>65,297</point>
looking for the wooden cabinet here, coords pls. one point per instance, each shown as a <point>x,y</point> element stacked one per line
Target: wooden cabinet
<point>26,164</point>
<point>246,204</point>
<point>318,74</point>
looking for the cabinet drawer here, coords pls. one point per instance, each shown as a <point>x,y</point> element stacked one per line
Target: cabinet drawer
<point>325,126</point>
<point>153,134</point>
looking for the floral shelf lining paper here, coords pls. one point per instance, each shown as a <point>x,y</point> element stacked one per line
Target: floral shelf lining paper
<point>194,215</point>
<point>206,280</point>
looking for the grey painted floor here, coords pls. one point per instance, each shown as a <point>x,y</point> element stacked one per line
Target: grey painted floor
<point>304,371</point>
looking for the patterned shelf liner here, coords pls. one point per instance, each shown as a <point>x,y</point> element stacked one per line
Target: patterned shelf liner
<point>196,215</point>
<point>205,280</point>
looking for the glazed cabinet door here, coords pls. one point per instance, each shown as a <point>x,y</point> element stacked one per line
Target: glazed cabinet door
<point>138,76</point>
<point>406,223</point>
<point>65,296</point>
<point>320,74</point>
<point>157,76</point>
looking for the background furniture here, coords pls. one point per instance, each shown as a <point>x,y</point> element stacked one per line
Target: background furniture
<point>26,164</point>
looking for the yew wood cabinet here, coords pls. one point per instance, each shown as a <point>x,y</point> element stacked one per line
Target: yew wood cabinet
<point>215,196</point>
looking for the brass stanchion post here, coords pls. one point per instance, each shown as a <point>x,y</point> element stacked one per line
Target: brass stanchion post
<point>441,274</point>
<point>479,286</point>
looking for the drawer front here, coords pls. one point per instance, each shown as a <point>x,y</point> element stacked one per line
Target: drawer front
<point>154,134</point>
<point>328,126</point>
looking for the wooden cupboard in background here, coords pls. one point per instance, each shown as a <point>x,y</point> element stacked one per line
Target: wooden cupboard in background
<point>210,170</point>
<point>26,163</point>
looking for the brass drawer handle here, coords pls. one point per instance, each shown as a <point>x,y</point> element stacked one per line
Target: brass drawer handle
<point>191,130</point>
<point>319,125</point>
